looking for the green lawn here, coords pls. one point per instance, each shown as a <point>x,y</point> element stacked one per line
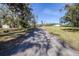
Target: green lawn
<point>68,34</point>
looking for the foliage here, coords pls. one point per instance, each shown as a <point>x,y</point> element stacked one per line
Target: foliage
<point>72,15</point>
<point>17,15</point>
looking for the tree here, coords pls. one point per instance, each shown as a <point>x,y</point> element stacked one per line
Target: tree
<point>24,13</point>
<point>17,15</point>
<point>72,14</point>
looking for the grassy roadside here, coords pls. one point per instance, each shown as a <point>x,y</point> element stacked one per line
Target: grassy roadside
<point>68,34</point>
<point>11,34</point>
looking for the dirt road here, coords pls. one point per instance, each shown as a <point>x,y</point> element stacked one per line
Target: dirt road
<point>36,43</point>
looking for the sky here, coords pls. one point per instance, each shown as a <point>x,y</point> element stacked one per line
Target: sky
<point>48,12</point>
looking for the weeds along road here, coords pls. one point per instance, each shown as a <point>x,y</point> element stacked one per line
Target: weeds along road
<point>38,42</point>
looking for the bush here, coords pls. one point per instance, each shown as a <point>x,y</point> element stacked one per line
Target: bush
<point>6,31</point>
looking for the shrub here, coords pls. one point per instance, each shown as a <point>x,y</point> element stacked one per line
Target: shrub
<point>6,31</point>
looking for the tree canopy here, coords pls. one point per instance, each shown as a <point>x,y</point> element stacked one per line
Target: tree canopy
<point>17,15</point>
<point>72,14</point>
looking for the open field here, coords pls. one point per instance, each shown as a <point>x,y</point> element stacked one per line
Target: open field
<point>68,34</point>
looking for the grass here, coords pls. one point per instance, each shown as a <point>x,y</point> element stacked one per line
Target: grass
<point>12,34</point>
<point>68,34</point>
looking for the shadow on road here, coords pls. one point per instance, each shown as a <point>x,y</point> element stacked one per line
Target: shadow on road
<point>36,42</point>
<point>13,46</point>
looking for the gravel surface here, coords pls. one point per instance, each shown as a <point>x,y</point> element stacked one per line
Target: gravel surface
<point>36,43</point>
